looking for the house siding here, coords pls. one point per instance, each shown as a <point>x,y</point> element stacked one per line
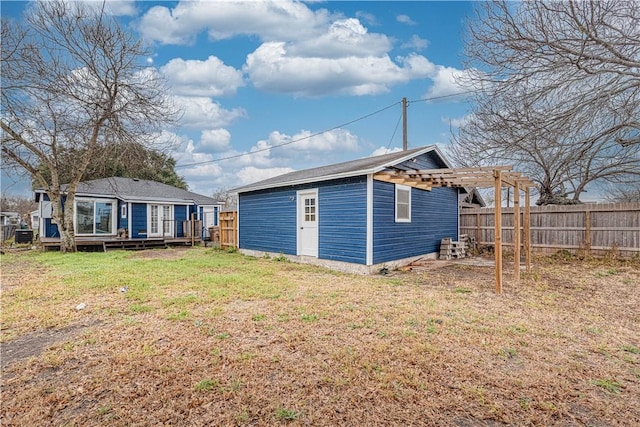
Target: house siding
<point>180,215</point>
<point>343,220</point>
<point>434,215</point>
<point>123,222</point>
<point>139,220</point>
<point>267,219</point>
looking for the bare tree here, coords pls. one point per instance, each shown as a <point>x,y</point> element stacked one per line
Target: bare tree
<point>226,196</point>
<point>73,80</point>
<point>557,93</point>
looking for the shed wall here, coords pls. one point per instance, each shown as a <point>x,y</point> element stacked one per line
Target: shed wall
<point>268,219</point>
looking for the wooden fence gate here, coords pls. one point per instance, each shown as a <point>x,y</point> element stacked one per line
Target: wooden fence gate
<point>229,229</point>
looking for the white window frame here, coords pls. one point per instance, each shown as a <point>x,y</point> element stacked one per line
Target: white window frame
<point>123,211</point>
<point>399,187</point>
<point>114,210</point>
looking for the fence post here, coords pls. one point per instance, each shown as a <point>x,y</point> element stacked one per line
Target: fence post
<point>587,230</point>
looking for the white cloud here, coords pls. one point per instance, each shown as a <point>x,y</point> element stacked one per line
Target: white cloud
<point>384,150</point>
<point>251,174</point>
<point>202,78</point>
<point>456,122</point>
<point>303,52</point>
<point>203,112</point>
<point>446,81</point>
<point>215,140</point>
<point>269,20</point>
<point>113,7</point>
<point>416,43</point>
<point>337,139</point>
<point>366,17</point>
<point>344,38</point>
<point>405,19</point>
<point>272,68</point>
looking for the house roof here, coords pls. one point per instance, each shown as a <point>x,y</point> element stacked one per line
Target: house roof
<point>351,168</point>
<point>133,189</point>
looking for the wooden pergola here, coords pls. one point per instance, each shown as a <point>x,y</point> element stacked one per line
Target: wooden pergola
<point>483,177</point>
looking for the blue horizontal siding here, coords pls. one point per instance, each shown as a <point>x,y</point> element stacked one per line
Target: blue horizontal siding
<point>122,222</point>
<point>179,215</point>
<point>342,211</point>
<point>434,215</point>
<point>267,219</point>
<point>138,220</point>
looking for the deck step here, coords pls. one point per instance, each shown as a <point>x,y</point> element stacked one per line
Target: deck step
<point>133,244</point>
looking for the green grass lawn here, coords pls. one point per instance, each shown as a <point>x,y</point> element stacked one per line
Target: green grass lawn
<point>205,337</point>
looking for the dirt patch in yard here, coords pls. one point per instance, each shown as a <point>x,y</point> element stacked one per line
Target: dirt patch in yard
<point>35,343</point>
<point>259,342</point>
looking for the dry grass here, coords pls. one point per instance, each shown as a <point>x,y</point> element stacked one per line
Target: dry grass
<point>210,338</point>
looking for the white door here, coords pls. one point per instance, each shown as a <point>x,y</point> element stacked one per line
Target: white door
<point>160,221</point>
<point>308,222</point>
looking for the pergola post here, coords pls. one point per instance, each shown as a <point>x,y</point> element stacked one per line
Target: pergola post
<point>497,175</point>
<point>527,228</point>
<point>516,231</point>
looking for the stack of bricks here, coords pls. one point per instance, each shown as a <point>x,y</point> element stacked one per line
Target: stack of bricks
<point>450,249</point>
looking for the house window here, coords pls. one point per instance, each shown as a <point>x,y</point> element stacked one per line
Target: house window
<point>403,203</point>
<point>123,211</point>
<point>95,216</point>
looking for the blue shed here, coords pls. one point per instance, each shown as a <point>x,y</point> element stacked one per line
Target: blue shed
<point>350,216</point>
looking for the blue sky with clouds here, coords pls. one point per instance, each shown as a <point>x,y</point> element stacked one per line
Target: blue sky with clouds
<point>251,76</point>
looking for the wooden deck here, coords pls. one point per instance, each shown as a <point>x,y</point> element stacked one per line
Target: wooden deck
<point>96,243</point>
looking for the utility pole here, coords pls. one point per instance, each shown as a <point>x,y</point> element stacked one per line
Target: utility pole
<point>405,103</point>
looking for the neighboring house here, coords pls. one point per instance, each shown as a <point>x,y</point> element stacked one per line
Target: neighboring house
<point>135,208</point>
<point>344,216</point>
<point>35,220</point>
<point>9,218</point>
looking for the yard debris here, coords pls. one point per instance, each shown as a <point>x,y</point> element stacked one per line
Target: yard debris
<point>81,306</point>
<point>124,289</point>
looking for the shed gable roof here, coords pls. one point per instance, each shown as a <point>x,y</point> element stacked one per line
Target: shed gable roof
<point>133,189</point>
<point>351,168</point>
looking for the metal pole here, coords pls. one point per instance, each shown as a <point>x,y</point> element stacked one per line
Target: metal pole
<point>405,103</point>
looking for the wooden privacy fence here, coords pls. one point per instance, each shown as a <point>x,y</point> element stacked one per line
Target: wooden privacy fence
<point>594,228</point>
<point>229,229</point>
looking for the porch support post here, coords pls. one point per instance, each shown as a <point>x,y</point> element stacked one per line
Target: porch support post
<point>516,231</point>
<point>527,229</point>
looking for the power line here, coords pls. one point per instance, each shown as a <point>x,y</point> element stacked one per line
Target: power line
<point>289,142</point>
<point>433,98</point>
<point>235,156</point>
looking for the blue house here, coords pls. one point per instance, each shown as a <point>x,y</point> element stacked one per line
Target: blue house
<point>355,216</point>
<point>130,208</point>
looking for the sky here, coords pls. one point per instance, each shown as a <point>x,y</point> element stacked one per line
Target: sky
<point>269,87</point>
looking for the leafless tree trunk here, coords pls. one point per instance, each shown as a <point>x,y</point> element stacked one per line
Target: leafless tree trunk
<point>73,79</point>
<point>557,93</point>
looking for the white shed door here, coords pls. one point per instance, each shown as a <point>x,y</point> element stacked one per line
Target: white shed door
<point>308,223</point>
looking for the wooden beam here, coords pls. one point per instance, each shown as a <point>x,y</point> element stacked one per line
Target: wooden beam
<point>497,188</point>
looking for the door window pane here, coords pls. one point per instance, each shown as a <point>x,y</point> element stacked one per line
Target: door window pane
<point>310,209</point>
<point>104,218</point>
<point>154,219</point>
<point>166,219</point>
<point>84,217</point>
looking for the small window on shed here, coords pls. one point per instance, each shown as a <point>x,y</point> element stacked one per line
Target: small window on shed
<point>403,203</point>
<point>123,211</point>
